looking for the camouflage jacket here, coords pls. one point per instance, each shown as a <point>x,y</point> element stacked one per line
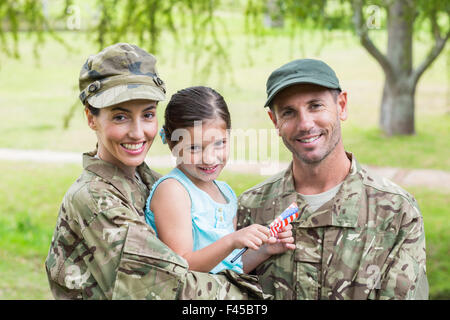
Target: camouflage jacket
<point>367,242</point>
<point>103,249</point>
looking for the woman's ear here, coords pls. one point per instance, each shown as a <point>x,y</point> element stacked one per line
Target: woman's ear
<point>90,119</point>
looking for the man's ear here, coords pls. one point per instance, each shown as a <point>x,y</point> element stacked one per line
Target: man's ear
<point>272,117</point>
<point>90,119</point>
<point>342,105</point>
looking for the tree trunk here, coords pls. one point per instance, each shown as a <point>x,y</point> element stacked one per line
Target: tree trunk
<point>397,106</point>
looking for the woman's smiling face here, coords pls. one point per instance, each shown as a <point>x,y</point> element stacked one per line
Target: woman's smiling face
<point>125,132</point>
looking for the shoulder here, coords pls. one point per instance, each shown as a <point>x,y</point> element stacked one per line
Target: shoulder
<point>149,175</point>
<point>170,186</point>
<point>263,192</point>
<point>383,195</point>
<point>225,187</point>
<point>388,206</point>
<point>381,188</point>
<point>166,190</point>
<point>91,195</point>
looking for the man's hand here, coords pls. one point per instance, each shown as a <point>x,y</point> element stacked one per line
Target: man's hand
<point>283,242</point>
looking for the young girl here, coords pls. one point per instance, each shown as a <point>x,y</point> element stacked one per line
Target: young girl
<point>192,213</point>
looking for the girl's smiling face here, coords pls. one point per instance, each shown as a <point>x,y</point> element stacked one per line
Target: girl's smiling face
<point>203,150</point>
<point>125,132</point>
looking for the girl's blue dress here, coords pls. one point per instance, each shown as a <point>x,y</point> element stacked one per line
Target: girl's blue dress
<point>210,220</point>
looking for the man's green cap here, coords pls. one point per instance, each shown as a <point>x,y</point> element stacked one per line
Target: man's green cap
<point>300,71</point>
<point>119,73</point>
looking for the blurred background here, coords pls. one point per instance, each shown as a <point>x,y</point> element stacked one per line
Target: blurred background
<point>390,56</point>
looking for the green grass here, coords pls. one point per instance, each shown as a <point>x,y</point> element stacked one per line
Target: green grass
<point>435,208</point>
<point>30,195</point>
<point>428,148</point>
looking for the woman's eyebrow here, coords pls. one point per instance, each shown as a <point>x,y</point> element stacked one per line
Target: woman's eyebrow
<point>120,109</point>
<point>126,110</point>
<point>149,108</point>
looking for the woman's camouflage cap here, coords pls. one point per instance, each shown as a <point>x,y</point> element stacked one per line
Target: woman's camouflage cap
<point>119,73</point>
<point>300,71</point>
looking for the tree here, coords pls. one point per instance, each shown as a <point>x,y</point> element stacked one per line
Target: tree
<point>16,15</point>
<point>145,19</point>
<point>404,18</point>
<point>118,20</point>
<point>401,78</point>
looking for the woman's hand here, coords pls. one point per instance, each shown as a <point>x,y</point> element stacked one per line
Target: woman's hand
<point>252,237</point>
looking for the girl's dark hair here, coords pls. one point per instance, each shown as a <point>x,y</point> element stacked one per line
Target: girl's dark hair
<point>194,104</point>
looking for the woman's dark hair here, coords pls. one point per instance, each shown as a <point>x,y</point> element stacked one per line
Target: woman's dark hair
<point>194,104</point>
<point>94,111</point>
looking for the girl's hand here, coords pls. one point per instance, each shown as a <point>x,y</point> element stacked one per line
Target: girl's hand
<point>252,237</point>
<point>284,242</point>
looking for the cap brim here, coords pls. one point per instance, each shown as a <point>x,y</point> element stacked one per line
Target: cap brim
<point>291,82</point>
<point>125,92</point>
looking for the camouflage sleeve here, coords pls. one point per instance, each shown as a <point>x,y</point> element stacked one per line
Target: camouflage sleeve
<point>243,215</point>
<point>102,250</point>
<point>404,276</point>
<point>148,269</point>
<point>96,253</point>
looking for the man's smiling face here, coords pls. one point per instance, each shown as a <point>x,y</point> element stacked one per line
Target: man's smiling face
<point>308,119</point>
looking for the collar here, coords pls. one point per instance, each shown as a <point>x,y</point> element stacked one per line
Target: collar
<point>342,210</point>
<point>117,176</point>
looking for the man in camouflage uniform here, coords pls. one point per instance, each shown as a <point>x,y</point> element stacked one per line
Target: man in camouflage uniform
<point>359,236</point>
<point>102,247</point>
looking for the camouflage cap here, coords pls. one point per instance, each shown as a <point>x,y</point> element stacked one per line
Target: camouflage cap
<point>119,73</point>
<point>300,71</point>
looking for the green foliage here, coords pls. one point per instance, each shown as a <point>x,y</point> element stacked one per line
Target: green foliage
<point>13,16</point>
<point>23,16</point>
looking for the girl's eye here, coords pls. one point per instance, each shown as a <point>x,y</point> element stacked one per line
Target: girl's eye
<point>195,148</point>
<point>219,143</point>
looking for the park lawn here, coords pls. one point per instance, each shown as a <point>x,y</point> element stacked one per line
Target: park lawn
<point>30,195</point>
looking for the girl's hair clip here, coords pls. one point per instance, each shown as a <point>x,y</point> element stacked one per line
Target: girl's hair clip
<point>162,134</point>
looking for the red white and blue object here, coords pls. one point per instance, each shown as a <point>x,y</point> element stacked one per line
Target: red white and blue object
<point>287,216</point>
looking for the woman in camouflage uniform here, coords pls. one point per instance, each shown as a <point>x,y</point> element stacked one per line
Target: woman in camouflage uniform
<point>102,248</point>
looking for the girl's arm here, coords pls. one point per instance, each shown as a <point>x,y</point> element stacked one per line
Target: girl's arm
<point>252,258</point>
<point>171,206</point>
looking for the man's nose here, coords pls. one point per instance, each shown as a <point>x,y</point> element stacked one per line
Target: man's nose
<point>305,121</point>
